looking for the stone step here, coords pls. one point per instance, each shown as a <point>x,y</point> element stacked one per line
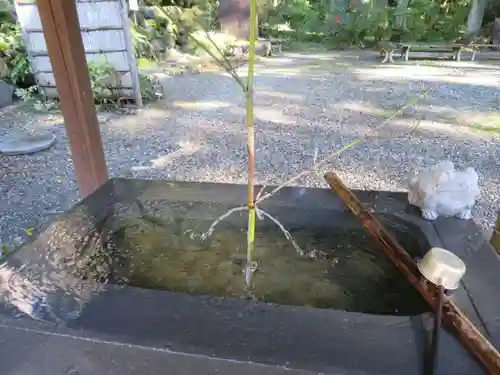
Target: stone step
<point>21,144</point>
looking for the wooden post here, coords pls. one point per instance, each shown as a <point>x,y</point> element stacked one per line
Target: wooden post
<point>61,29</point>
<point>453,318</point>
<point>495,237</point>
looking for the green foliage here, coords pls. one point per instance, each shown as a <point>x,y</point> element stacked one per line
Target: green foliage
<point>103,79</point>
<point>14,62</point>
<point>4,251</point>
<point>140,42</point>
<point>431,20</point>
<point>299,19</point>
<point>363,24</point>
<point>13,54</point>
<point>298,13</point>
<point>29,231</point>
<point>320,21</point>
<point>6,8</point>
<point>30,96</point>
<point>169,26</point>
<point>150,87</point>
<point>211,43</point>
<point>211,14</point>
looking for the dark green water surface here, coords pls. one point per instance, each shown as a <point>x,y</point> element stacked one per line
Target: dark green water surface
<point>344,269</point>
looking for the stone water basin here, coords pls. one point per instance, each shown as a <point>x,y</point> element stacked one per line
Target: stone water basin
<point>128,276</point>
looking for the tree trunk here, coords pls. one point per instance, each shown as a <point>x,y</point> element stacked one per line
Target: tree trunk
<point>400,20</point>
<point>475,19</point>
<point>234,18</point>
<point>496,33</point>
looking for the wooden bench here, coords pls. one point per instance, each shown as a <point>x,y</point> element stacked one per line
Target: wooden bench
<point>454,48</point>
<point>389,49</point>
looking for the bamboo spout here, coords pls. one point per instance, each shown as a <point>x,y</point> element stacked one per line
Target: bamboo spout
<point>453,318</point>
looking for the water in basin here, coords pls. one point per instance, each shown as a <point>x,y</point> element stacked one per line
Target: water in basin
<point>345,270</point>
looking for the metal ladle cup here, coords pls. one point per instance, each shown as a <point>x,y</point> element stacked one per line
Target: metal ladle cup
<point>445,270</point>
<point>442,267</point>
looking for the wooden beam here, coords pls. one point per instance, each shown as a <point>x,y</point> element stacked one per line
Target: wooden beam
<point>453,318</point>
<point>67,55</point>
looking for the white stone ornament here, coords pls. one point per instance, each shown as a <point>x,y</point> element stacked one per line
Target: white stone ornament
<point>443,191</point>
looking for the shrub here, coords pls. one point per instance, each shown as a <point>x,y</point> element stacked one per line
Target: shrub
<point>13,53</point>
<point>363,24</point>
<point>103,79</point>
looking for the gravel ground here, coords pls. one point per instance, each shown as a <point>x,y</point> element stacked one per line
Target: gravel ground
<point>305,105</point>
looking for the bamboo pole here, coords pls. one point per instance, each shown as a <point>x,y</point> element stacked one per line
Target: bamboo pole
<point>249,121</point>
<point>495,237</point>
<point>453,318</point>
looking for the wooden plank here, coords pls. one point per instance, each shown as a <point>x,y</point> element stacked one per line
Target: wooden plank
<point>67,56</point>
<point>451,46</point>
<point>94,41</point>
<point>453,318</point>
<point>41,64</point>
<point>49,79</point>
<point>51,92</point>
<point>102,15</point>
<point>432,45</point>
<point>484,45</point>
